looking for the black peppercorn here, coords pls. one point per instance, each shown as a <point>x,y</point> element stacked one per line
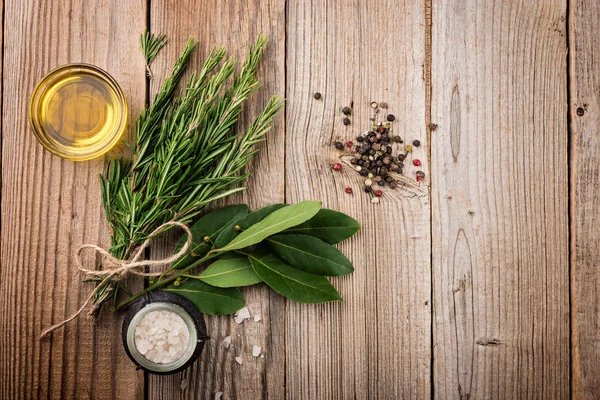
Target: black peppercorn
<point>368,189</point>
<point>401,157</point>
<point>383,171</point>
<point>353,161</point>
<point>346,111</point>
<point>388,149</point>
<point>397,139</point>
<point>372,152</point>
<point>416,143</point>
<point>379,163</point>
<point>392,185</point>
<point>360,139</point>
<point>339,145</point>
<point>376,146</point>
<point>364,172</point>
<point>390,117</point>
<point>317,95</point>
<point>386,160</point>
<point>361,162</point>
<point>381,183</point>
<point>346,121</point>
<point>394,168</point>
<point>389,179</point>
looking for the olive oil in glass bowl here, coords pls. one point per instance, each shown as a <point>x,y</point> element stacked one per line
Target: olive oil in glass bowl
<point>78,112</point>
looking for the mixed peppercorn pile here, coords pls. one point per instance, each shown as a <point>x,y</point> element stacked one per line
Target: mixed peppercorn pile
<point>378,153</point>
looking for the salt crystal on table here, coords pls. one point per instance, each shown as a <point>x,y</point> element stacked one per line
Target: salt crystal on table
<point>227,342</point>
<point>241,315</point>
<point>218,395</point>
<point>257,318</point>
<point>239,360</point>
<point>256,351</point>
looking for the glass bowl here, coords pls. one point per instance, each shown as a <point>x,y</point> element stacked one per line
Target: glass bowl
<point>78,112</point>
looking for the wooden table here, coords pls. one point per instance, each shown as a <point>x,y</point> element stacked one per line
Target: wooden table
<point>482,282</point>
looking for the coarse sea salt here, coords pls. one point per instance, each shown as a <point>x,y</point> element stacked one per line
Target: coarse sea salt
<point>162,336</point>
<point>241,315</point>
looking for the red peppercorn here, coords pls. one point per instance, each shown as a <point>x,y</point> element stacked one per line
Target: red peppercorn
<point>348,190</point>
<point>349,144</point>
<point>337,166</point>
<point>378,193</point>
<point>416,162</point>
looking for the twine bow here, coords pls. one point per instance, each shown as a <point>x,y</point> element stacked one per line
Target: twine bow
<point>116,269</point>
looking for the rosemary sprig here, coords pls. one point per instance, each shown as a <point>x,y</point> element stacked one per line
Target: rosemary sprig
<point>151,45</point>
<point>187,152</point>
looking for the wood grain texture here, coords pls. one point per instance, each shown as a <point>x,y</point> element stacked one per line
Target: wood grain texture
<point>499,200</point>
<point>51,206</point>
<point>235,25</point>
<point>584,23</point>
<point>376,343</point>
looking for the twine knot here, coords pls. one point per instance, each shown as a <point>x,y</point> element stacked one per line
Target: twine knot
<point>116,269</point>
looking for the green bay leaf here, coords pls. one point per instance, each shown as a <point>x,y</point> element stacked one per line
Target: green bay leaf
<point>245,222</point>
<point>211,225</point>
<point>293,283</point>
<point>230,272</point>
<point>275,222</point>
<point>311,254</point>
<point>209,299</point>
<point>329,225</point>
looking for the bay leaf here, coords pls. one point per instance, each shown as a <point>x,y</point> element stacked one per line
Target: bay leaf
<point>230,272</point>
<point>311,254</point>
<point>212,225</point>
<point>329,225</point>
<point>293,283</point>
<point>245,222</point>
<point>275,222</point>
<point>209,299</point>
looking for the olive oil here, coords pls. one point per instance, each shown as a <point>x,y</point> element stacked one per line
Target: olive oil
<point>78,112</point>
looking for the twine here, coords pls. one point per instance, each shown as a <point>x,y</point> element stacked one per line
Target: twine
<point>116,269</point>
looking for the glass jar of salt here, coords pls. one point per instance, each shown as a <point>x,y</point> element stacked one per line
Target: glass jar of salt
<point>164,333</point>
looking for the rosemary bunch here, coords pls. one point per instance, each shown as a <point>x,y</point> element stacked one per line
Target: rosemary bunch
<point>187,151</point>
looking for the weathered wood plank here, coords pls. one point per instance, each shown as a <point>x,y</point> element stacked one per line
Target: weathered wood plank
<point>499,200</point>
<point>235,25</point>
<point>376,343</point>
<point>584,23</point>
<point>51,206</point>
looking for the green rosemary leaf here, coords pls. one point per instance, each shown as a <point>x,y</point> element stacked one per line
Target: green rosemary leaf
<point>151,45</point>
